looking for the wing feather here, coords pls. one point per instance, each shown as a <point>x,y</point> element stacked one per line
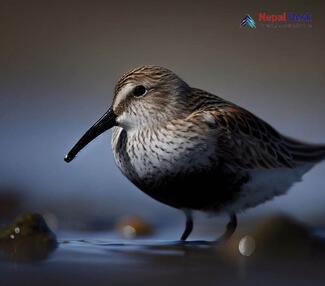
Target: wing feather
<point>246,141</point>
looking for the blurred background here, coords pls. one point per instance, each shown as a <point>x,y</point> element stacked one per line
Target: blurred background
<point>59,61</point>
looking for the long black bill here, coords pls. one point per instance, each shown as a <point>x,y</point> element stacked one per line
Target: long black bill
<point>106,122</point>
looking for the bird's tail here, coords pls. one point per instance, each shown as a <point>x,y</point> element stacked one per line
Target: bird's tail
<point>304,152</point>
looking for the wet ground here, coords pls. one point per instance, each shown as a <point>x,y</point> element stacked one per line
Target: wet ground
<point>286,253</point>
<point>157,263</point>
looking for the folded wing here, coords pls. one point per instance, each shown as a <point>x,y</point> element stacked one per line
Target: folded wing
<point>247,142</point>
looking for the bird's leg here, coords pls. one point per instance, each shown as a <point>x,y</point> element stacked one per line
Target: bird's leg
<point>188,226</point>
<point>231,227</point>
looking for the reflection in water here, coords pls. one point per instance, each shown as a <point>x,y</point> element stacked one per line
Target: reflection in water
<point>28,238</point>
<point>285,253</point>
<point>275,238</point>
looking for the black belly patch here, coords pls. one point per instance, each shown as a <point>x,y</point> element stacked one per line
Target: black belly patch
<point>198,190</point>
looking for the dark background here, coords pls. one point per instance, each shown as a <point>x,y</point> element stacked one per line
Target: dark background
<point>59,61</point>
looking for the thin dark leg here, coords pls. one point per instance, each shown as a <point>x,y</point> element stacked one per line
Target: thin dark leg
<point>189,225</point>
<point>231,227</point>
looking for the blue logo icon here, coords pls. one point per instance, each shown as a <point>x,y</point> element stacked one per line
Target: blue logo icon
<point>248,21</point>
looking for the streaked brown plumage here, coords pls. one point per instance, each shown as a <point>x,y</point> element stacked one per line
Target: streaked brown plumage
<point>193,150</point>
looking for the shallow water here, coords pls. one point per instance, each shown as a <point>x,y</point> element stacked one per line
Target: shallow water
<point>97,259</point>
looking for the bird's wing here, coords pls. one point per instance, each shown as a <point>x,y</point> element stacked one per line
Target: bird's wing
<point>244,141</point>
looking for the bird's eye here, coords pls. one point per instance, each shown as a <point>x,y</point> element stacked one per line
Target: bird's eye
<point>139,90</point>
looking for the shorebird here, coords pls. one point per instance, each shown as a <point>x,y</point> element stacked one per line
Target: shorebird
<point>193,150</point>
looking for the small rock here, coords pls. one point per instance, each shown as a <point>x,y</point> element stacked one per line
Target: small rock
<point>27,238</point>
<point>275,236</point>
<point>133,226</point>
<point>246,245</point>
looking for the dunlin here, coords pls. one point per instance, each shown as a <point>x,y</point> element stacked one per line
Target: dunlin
<point>193,150</point>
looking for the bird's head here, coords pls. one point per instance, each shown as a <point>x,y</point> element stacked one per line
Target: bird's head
<point>144,96</point>
<point>148,95</point>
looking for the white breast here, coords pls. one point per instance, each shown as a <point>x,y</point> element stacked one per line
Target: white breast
<point>156,153</point>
